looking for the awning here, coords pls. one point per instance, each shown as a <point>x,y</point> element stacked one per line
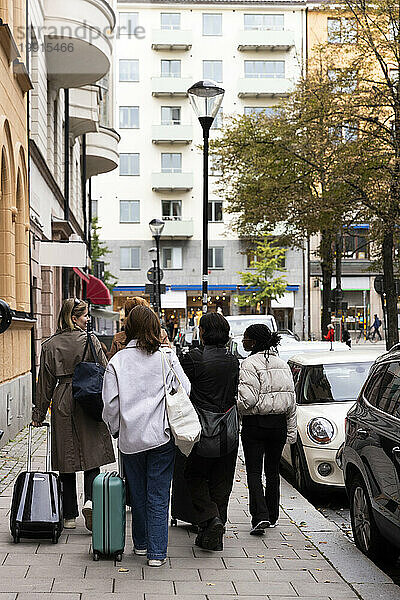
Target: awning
<point>97,292</point>
<point>102,313</point>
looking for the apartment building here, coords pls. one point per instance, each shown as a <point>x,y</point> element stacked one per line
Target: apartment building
<point>326,26</point>
<point>72,140</point>
<point>15,342</point>
<point>255,51</point>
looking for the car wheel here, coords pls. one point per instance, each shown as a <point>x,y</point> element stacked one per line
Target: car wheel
<point>301,474</point>
<point>366,534</point>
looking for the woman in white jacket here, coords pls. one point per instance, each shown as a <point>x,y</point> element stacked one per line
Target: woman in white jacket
<point>267,405</point>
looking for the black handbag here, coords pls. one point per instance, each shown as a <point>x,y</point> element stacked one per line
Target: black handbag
<point>87,383</point>
<point>219,432</point>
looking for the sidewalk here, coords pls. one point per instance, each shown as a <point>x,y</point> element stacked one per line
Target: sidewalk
<point>286,563</point>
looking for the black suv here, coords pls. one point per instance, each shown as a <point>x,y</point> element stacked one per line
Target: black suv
<point>370,459</point>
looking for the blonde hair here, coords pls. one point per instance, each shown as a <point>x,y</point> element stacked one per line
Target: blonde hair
<point>136,301</point>
<point>70,306</point>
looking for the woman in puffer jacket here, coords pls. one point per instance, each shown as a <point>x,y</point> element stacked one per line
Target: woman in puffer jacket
<point>267,405</point>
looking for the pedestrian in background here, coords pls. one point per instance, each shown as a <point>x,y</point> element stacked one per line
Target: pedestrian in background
<point>135,412</point>
<point>330,336</point>
<point>376,326</point>
<point>79,443</point>
<point>346,338</point>
<point>213,373</point>
<point>267,404</point>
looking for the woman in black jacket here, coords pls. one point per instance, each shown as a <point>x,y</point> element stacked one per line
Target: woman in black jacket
<point>213,373</point>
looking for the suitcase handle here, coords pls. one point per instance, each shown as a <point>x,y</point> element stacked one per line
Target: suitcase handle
<point>48,447</point>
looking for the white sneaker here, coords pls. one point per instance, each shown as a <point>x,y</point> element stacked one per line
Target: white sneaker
<point>273,525</point>
<point>69,523</point>
<point>156,563</point>
<point>87,514</point>
<point>139,552</point>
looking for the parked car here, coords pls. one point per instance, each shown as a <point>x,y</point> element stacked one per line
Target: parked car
<point>240,323</point>
<point>327,385</point>
<point>370,460</point>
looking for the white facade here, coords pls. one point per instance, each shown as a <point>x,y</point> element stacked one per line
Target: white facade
<point>239,36</point>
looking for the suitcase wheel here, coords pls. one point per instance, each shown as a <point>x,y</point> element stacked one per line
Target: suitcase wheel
<point>54,539</point>
<point>17,539</point>
<point>174,522</point>
<point>96,555</point>
<point>118,557</point>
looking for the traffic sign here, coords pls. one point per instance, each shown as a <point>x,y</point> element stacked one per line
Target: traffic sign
<point>378,284</point>
<point>152,274</point>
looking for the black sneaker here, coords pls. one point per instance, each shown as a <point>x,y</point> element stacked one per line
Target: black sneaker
<point>260,528</point>
<point>211,536</point>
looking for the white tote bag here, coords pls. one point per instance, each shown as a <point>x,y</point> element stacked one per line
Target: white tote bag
<point>183,420</point>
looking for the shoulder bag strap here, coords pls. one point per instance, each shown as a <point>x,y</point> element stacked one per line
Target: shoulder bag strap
<point>89,342</point>
<point>171,367</point>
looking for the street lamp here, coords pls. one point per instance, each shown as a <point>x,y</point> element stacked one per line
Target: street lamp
<point>206,99</point>
<point>156,228</point>
<point>153,256</point>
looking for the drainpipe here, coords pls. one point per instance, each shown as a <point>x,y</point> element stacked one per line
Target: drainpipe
<point>65,271</point>
<point>90,219</point>
<point>84,204</point>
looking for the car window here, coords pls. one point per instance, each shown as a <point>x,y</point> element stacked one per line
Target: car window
<point>371,392</point>
<point>334,383</point>
<point>239,326</point>
<point>389,392</point>
<point>296,372</point>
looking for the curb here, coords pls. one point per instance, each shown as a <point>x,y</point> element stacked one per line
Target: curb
<point>358,571</point>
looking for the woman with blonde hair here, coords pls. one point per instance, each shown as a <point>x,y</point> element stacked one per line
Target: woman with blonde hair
<point>79,443</point>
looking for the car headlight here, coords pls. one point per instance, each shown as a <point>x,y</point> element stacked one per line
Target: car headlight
<point>320,430</point>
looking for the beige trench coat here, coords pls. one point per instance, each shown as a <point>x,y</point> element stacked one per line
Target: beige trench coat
<point>78,442</point>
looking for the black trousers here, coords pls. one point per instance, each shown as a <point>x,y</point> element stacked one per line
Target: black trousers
<point>210,482</point>
<point>70,500</point>
<point>262,446</point>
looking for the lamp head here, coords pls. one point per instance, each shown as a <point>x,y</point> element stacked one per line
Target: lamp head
<point>156,227</point>
<point>206,98</point>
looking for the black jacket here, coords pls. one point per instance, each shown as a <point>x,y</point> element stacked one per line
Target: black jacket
<point>214,375</point>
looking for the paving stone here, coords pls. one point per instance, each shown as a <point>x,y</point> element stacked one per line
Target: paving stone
<point>321,589</point>
<point>80,585</point>
<point>45,596</point>
<point>147,587</point>
<point>105,571</point>
<point>151,574</point>
<point>210,562</point>
<point>270,553</point>
<point>202,587</point>
<point>283,588</point>
<point>14,571</point>
<point>290,576</point>
<point>47,571</point>
<point>32,559</point>
<point>288,564</point>
<point>324,575</point>
<point>25,585</point>
<point>180,551</point>
<point>227,575</point>
<point>184,597</point>
<point>64,549</point>
<point>8,595</point>
<point>231,552</point>
<point>250,563</point>
<point>132,595</point>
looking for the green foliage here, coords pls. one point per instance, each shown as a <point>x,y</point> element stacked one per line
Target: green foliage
<point>263,276</point>
<point>99,251</point>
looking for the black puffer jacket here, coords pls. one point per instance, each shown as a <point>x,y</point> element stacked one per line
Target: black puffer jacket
<point>214,375</point>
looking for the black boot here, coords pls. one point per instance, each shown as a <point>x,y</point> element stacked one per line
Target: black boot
<point>211,536</point>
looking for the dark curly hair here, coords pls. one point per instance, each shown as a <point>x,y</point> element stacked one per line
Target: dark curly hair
<point>144,326</point>
<point>215,329</point>
<point>264,338</point>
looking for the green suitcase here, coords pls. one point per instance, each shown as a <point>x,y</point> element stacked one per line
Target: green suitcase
<point>109,516</point>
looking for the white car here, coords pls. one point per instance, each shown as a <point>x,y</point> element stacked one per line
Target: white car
<point>327,385</point>
<point>240,323</point>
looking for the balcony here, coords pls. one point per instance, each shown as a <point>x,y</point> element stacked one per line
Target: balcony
<point>84,110</point>
<point>257,40</point>
<point>172,182</point>
<point>178,229</point>
<point>78,43</point>
<point>171,39</point>
<point>264,87</point>
<point>170,86</point>
<point>172,134</point>
<point>102,151</point>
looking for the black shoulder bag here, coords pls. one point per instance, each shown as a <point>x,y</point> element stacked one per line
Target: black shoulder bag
<point>87,383</point>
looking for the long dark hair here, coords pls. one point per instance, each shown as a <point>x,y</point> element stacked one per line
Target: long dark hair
<point>265,339</point>
<point>144,326</point>
<point>215,329</point>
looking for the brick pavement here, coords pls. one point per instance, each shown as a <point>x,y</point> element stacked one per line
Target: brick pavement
<point>282,565</point>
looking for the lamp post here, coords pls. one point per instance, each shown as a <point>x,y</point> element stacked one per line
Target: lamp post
<point>153,256</point>
<point>206,98</point>
<point>156,228</point>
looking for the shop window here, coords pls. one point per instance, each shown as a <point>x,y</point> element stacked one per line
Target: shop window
<point>356,244</point>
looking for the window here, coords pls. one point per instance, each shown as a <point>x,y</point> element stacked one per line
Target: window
<point>389,393</point>
<point>170,115</point>
<point>216,258</point>
<point>129,117</point>
<point>128,70</point>
<point>95,209</point>
<point>128,21</point>
<point>264,68</point>
<point>344,82</point>
<point>170,68</point>
<point>129,164</point>
<point>355,244</point>
<point>334,383</point>
<point>215,169</point>
<point>217,123</point>
<point>264,22</point>
<point>212,69</point>
<point>172,258</point>
<point>349,132</point>
<point>171,162</point>
<point>170,21</point>
<point>130,257</point>
<point>171,210</point>
<point>129,211</point>
<point>215,211</point>
<point>259,110</point>
<point>342,30</point>
<point>371,392</point>
<point>212,24</point>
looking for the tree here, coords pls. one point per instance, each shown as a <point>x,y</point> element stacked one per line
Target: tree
<point>98,251</point>
<point>266,285</point>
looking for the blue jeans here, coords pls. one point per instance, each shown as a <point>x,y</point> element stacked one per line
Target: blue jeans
<point>149,476</point>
